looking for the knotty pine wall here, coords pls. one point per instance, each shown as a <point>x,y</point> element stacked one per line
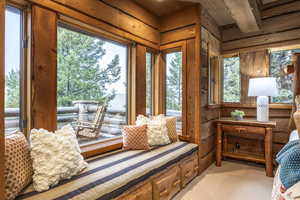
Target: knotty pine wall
<point>210,47</point>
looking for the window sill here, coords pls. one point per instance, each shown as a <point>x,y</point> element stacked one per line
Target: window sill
<point>272,106</point>
<point>101,147</point>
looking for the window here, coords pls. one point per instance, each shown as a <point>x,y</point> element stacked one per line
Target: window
<point>231,80</point>
<point>174,86</point>
<point>13,68</point>
<point>91,71</point>
<point>149,63</point>
<point>278,61</point>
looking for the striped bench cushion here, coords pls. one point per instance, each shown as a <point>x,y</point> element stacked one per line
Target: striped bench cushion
<point>109,175</point>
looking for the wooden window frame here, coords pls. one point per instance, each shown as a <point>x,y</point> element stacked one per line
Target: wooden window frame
<point>106,145</point>
<point>170,48</point>
<point>153,53</point>
<point>24,63</point>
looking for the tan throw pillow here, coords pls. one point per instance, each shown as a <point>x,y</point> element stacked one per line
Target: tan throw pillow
<point>171,126</point>
<point>56,156</point>
<point>135,138</point>
<point>157,131</point>
<point>18,165</point>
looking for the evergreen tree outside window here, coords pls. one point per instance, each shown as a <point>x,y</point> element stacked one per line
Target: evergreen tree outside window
<point>149,68</point>
<point>91,69</point>
<point>278,61</point>
<point>13,56</point>
<point>231,80</point>
<point>174,86</point>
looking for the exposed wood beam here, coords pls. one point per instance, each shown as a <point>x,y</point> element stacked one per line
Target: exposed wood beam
<point>245,13</point>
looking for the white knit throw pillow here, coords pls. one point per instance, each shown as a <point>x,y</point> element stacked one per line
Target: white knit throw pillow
<point>157,131</point>
<point>56,156</point>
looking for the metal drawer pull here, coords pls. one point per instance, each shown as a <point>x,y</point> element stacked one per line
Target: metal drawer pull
<point>176,183</point>
<point>196,168</point>
<point>163,193</point>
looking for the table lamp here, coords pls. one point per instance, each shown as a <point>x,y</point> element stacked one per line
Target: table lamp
<point>262,88</point>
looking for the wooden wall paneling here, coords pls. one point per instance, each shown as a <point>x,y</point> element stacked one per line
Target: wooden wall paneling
<point>185,17</point>
<point>178,35</point>
<point>281,9</point>
<point>2,98</point>
<point>208,145</point>
<point>210,24</point>
<point>185,65</point>
<point>197,94</point>
<point>190,87</point>
<point>133,9</point>
<point>206,161</point>
<point>252,64</point>
<point>271,25</point>
<point>114,17</point>
<point>92,21</point>
<point>139,76</point>
<point>261,40</point>
<point>44,68</point>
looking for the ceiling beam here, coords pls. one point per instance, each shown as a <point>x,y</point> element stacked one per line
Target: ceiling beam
<point>246,14</point>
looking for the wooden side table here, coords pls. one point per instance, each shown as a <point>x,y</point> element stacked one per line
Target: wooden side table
<point>250,129</point>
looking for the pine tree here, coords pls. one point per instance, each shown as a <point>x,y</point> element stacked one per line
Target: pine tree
<point>174,83</point>
<point>12,89</point>
<point>80,76</point>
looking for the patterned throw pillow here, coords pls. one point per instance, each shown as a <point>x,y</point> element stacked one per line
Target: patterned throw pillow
<point>56,156</point>
<point>171,126</point>
<point>135,138</point>
<point>157,131</point>
<point>18,165</point>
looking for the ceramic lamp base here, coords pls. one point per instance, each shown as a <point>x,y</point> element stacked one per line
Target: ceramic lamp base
<point>262,108</point>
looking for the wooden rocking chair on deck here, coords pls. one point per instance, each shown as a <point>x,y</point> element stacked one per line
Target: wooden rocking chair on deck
<point>91,129</point>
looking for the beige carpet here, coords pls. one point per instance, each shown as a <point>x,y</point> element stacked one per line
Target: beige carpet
<point>232,181</point>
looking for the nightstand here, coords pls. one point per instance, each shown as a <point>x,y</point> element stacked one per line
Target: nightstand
<point>250,129</point>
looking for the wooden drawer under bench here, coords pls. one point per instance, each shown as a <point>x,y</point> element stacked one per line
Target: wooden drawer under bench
<point>166,184</point>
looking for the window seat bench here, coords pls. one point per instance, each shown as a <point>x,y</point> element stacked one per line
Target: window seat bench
<point>155,174</point>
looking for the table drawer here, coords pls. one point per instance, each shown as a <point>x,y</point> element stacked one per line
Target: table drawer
<point>243,129</point>
<point>142,193</point>
<point>167,185</point>
<point>189,169</point>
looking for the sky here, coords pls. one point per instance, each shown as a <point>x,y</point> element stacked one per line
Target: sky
<point>12,39</point>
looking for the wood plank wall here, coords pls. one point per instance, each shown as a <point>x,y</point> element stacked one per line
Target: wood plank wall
<point>182,29</point>
<point>44,45</point>
<point>210,46</point>
<point>179,26</point>
<point>2,85</point>
<point>279,27</point>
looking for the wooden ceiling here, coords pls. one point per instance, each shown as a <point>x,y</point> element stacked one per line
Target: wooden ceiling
<point>163,7</point>
<point>268,1</point>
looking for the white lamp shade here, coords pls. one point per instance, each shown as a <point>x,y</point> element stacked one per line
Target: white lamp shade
<point>265,86</point>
